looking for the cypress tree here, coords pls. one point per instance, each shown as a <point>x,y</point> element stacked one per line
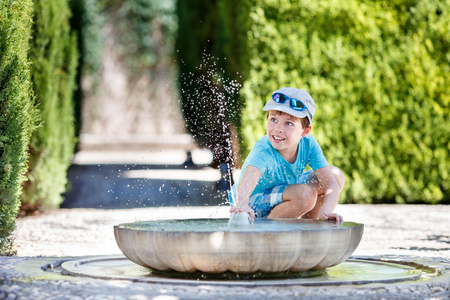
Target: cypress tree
<point>54,55</point>
<point>18,115</point>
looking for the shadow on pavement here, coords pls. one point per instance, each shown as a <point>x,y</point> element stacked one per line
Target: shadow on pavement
<point>118,186</point>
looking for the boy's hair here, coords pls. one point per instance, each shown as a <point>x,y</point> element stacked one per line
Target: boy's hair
<point>304,121</point>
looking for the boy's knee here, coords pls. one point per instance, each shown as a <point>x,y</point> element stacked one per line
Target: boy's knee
<point>339,175</point>
<point>304,195</point>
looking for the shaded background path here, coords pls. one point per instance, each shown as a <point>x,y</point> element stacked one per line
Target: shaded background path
<point>144,174</point>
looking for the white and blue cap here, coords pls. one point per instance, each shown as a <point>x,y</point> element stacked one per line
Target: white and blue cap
<point>297,94</point>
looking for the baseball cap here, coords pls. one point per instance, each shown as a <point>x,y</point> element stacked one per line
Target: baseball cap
<point>294,93</point>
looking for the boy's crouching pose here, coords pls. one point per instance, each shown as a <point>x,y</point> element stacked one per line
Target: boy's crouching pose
<point>273,182</point>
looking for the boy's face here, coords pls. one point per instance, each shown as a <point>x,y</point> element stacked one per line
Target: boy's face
<point>285,132</point>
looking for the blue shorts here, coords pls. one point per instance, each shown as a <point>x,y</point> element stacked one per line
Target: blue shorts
<point>264,202</point>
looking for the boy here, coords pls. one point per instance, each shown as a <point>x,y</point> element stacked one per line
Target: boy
<point>273,182</point>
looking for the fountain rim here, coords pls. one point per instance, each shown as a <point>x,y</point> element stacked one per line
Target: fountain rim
<point>240,229</point>
<point>75,268</point>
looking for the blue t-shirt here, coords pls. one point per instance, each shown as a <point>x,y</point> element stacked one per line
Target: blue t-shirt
<point>275,170</point>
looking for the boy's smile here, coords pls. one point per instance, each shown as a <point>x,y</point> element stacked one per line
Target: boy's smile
<point>285,132</point>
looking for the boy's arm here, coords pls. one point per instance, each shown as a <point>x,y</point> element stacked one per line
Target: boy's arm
<point>245,189</point>
<point>331,193</point>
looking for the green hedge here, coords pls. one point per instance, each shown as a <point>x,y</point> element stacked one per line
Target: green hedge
<point>18,116</point>
<point>54,55</point>
<point>378,71</point>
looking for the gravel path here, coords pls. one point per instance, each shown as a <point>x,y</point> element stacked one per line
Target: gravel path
<point>390,231</point>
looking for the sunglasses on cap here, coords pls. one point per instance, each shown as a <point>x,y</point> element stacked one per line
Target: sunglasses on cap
<point>294,103</point>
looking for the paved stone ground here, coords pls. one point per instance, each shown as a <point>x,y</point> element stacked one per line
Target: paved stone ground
<point>392,232</point>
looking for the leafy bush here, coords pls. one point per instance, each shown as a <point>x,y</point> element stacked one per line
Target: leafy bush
<point>18,116</point>
<point>378,72</point>
<point>54,55</point>
<point>376,69</point>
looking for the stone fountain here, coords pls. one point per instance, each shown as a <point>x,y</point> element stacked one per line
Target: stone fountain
<point>305,247</point>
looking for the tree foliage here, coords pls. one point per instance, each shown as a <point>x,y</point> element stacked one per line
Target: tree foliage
<point>54,56</point>
<point>18,115</point>
<point>377,70</point>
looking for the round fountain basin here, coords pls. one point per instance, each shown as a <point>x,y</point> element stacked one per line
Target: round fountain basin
<point>210,246</point>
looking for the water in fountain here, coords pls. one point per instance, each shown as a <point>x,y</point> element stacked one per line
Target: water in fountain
<point>210,87</point>
<point>213,86</point>
<point>216,225</point>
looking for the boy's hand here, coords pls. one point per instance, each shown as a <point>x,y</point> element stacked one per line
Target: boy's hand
<point>247,209</point>
<point>332,216</point>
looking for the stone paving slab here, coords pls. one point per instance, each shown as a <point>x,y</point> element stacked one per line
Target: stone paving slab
<point>409,234</point>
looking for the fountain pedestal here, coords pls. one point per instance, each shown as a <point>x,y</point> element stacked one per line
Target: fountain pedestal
<point>210,246</point>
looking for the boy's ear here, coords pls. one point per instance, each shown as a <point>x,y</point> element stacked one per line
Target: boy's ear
<point>306,131</point>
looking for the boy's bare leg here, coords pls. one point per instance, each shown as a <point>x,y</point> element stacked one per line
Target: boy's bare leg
<point>298,199</point>
<point>315,212</point>
<point>304,200</point>
<point>312,180</point>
